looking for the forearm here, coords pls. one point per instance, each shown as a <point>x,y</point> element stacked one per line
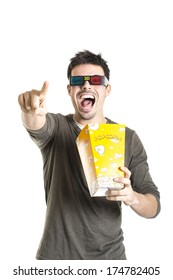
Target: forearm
<point>33,121</point>
<point>145,205</point>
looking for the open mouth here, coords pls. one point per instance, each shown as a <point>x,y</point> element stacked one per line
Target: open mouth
<point>86,101</point>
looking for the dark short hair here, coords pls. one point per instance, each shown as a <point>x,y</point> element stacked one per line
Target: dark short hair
<point>87,57</point>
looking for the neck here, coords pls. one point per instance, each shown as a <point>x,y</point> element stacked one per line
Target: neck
<point>84,122</point>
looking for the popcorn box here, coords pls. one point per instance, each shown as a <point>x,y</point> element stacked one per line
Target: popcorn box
<point>102,150</point>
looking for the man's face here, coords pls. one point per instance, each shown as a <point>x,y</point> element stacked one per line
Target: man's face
<point>88,99</point>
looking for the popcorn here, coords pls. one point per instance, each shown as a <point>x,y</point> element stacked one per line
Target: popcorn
<point>102,150</point>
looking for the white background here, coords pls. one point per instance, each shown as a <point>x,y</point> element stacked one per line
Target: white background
<point>37,40</point>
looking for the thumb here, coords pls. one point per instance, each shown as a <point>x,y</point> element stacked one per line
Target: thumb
<point>44,89</point>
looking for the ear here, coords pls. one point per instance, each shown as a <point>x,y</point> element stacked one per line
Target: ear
<point>69,89</point>
<point>108,90</point>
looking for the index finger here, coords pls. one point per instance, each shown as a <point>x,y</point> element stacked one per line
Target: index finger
<point>44,88</point>
<point>126,171</point>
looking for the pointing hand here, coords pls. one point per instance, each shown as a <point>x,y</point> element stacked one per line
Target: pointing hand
<point>33,101</point>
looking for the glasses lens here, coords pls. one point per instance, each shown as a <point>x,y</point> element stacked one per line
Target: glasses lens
<point>76,80</point>
<point>97,80</point>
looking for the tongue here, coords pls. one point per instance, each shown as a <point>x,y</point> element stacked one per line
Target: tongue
<point>86,103</point>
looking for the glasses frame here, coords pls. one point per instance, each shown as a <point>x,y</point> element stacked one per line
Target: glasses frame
<point>88,78</point>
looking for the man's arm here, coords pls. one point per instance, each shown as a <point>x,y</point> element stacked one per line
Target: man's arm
<point>33,108</point>
<point>145,205</point>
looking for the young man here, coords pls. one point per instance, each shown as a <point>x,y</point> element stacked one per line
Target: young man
<point>78,226</point>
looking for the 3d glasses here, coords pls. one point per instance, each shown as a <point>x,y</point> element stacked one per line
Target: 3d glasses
<point>96,80</point>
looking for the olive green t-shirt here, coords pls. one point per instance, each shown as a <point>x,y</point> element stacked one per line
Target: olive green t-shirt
<point>78,226</point>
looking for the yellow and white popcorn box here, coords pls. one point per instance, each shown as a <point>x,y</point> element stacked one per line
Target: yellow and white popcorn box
<point>102,150</point>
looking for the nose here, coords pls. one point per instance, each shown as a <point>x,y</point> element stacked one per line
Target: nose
<point>86,85</point>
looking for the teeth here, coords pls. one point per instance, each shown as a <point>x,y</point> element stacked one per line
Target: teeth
<point>87,96</point>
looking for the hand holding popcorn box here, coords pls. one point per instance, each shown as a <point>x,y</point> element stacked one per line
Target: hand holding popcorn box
<point>102,150</point>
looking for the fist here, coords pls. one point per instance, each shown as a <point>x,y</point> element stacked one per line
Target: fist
<point>33,101</point>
